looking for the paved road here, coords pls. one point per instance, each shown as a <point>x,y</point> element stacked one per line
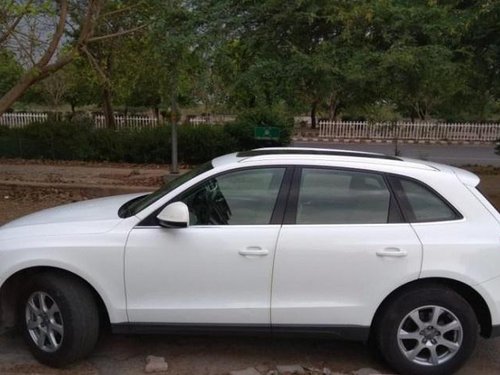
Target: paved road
<point>448,154</point>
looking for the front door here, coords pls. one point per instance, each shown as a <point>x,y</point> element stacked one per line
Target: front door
<point>345,247</point>
<point>219,269</point>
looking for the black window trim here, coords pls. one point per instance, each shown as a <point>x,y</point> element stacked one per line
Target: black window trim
<point>285,209</point>
<point>279,206</point>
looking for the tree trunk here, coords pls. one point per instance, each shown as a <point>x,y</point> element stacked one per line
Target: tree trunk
<point>107,108</point>
<point>332,108</point>
<point>412,115</point>
<point>314,107</point>
<point>174,119</point>
<point>15,93</point>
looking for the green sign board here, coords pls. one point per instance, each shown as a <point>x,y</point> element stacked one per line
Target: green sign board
<point>267,133</point>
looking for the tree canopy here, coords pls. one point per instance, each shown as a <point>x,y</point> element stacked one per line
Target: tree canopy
<point>328,58</point>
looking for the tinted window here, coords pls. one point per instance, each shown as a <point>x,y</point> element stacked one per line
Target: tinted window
<point>237,198</point>
<point>136,205</point>
<point>342,197</point>
<point>426,205</point>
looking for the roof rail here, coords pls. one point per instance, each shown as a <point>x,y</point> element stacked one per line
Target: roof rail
<point>312,151</point>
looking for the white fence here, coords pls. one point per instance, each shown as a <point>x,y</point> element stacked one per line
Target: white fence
<point>18,120</point>
<point>211,119</point>
<point>131,122</point>
<point>421,131</point>
<point>410,131</point>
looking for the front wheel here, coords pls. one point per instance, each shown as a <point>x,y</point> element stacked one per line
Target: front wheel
<point>59,319</point>
<point>427,331</point>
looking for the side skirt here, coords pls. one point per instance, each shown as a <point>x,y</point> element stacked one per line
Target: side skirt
<point>341,332</point>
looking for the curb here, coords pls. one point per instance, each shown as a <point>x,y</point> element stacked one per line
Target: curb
<point>386,141</point>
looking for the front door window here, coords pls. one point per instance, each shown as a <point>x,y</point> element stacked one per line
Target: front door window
<point>245,197</point>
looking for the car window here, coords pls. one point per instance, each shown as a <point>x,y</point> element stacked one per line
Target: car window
<point>342,197</point>
<point>425,205</point>
<point>136,205</point>
<point>238,198</point>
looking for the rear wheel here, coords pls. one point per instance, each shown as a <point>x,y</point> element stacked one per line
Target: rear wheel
<point>59,318</point>
<point>428,331</point>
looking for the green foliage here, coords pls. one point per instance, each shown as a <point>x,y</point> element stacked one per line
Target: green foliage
<point>380,112</point>
<point>335,58</point>
<point>10,71</point>
<point>244,126</point>
<point>81,83</point>
<point>79,140</point>
<point>199,144</point>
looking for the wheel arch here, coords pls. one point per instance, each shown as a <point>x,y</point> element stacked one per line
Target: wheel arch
<point>9,298</point>
<point>472,296</point>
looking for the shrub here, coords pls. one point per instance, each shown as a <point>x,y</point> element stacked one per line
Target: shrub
<point>244,127</point>
<point>65,140</point>
<point>58,140</point>
<point>80,140</point>
<point>199,144</point>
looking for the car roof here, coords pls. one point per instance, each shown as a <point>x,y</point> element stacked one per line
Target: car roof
<point>312,151</point>
<point>289,155</point>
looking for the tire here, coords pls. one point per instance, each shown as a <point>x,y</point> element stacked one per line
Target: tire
<point>59,319</point>
<point>430,347</point>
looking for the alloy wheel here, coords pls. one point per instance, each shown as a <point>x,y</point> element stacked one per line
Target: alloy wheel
<point>44,322</point>
<point>430,335</point>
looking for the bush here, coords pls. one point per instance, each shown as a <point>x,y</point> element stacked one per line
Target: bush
<point>80,140</point>
<point>497,148</point>
<point>58,140</point>
<point>204,143</point>
<point>244,127</point>
<point>151,145</point>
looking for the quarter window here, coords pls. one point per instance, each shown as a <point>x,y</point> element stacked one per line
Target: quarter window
<point>329,196</point>
<point>425,205</point>
<point>244,197</point>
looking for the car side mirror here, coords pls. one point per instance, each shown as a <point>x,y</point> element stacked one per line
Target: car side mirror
<point>175,215</point>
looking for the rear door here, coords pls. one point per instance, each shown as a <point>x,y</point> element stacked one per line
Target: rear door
<point>343,248</point>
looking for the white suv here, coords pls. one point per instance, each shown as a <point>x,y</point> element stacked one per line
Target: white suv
<point>354,245</point>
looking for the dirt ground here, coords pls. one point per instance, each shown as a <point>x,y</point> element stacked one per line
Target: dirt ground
<point>30,186</point>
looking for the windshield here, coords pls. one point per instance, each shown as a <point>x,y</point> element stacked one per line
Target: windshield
<point>136,205</point>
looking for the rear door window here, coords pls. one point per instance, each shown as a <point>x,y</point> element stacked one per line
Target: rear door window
<point>329,196</point>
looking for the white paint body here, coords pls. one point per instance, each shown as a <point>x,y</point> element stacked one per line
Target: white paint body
<point>261,274</point>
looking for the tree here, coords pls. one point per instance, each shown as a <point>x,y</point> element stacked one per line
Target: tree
<point>37,34</point>
<point>480,47</point>
<point>297,52</point>
<point>106,55</point>
<point>418,45</point>
<point>54,88</point>
<point>10,71</point>
<point>82,84</point>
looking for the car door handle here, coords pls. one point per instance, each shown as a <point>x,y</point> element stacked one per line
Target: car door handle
<point>254,251</point>
<point>392,252</point>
